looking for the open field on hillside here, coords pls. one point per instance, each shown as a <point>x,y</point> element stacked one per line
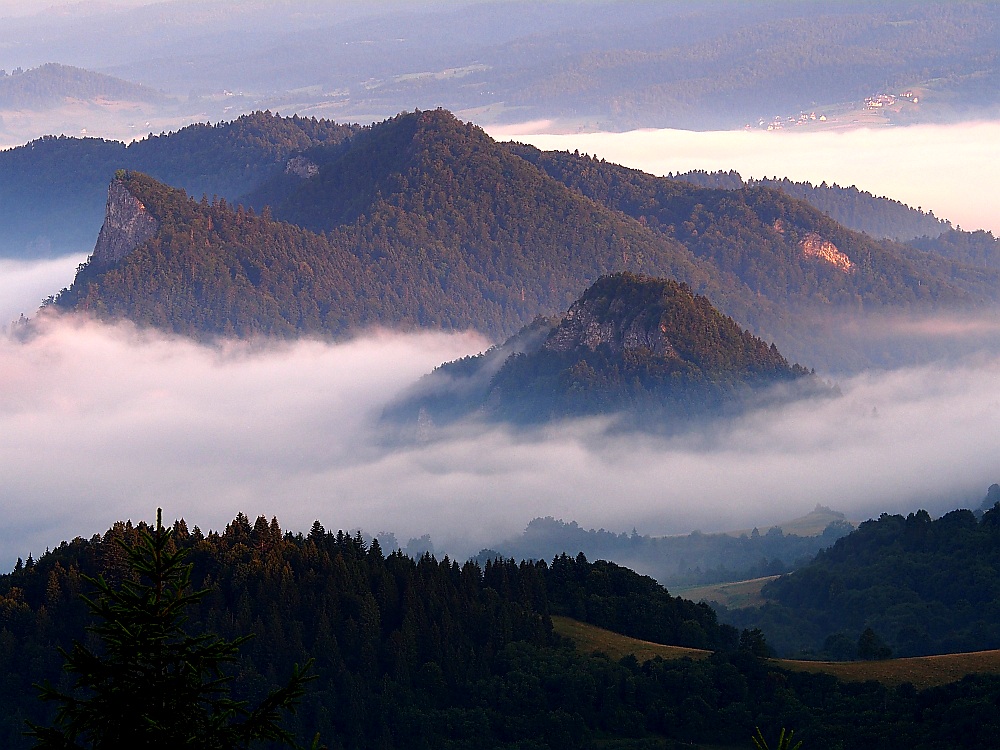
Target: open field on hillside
<point>922,672</point>
<point>735,595</point>
<point>590,638</point>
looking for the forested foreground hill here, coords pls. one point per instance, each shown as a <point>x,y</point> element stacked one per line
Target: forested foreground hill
<point>923,586</point>
<point>430,653</point>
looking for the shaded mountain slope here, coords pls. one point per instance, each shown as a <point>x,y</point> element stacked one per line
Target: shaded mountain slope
<point>425,196</point>
<point>456,234</point>
<point>644,347</point>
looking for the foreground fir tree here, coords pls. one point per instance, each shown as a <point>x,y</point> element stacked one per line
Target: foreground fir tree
<point>150,684</point>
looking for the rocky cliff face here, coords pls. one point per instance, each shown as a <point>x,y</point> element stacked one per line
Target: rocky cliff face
<point>127,224</point>
<point>584,327</point>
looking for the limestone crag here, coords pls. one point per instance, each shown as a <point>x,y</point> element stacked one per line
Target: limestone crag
<point>581,327</point>
<point>814,246</point>
<point>127,224</point>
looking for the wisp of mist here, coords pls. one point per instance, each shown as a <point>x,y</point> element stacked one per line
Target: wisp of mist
<point>104,422</point>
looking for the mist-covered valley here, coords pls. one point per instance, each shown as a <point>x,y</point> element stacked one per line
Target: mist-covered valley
<point>102,422</point>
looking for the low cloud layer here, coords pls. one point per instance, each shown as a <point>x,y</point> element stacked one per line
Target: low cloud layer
<point>944,168</point>
<point>24,284</point>
<point>100,423</point>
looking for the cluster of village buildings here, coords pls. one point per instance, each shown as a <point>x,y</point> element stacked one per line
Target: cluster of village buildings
<point>876,102</point>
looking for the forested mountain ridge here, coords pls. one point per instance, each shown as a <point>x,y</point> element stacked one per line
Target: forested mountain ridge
<point>210,270</point>
<point>877,216</point>
<point>763,236</point>
<point>448,229</point>
<point>489,252</point>
<point>54,188</point>
<point>855,209</point>
<point>645,349</point>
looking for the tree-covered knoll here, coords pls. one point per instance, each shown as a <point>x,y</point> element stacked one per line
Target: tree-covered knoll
<point>645,349</point>
<point>427,653</point>
<point>923,586</point>
<point>55,188</point>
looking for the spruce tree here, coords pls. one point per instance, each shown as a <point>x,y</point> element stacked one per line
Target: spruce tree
<point>150,684</point>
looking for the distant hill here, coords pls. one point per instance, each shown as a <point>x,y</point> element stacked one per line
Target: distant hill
<point>924,586</point>
<point>683,560</point>
<point>50,85</point>
<point>644,348</point>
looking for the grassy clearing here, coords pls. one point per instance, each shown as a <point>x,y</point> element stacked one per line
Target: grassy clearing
<point>590,638</point>
<point>735,595</point>
<point>923,671</point>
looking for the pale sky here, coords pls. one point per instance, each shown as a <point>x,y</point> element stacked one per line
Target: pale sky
<point>29,7</point>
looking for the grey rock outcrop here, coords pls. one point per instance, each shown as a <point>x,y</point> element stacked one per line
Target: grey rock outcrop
<point>127,224</point>
<point>581,327</point>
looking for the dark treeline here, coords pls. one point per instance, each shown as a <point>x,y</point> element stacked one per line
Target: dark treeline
<point>923,586</point>
<point>429,653</point>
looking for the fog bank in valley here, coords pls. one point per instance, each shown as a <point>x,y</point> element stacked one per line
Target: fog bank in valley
<point>950,169</point>
<point>24,284</point>
<point>100,423</point>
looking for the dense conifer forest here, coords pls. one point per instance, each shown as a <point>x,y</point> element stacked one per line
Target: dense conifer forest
<point>433,653</point>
